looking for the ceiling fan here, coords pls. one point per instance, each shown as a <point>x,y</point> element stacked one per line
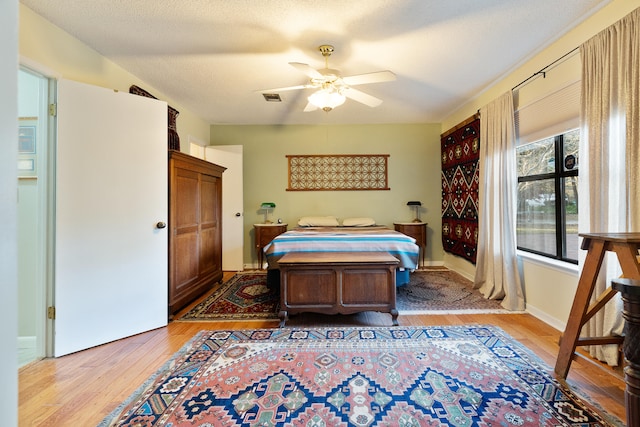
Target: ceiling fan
<point>332,88</point>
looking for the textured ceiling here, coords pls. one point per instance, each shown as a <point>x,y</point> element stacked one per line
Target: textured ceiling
<point>212,56</point>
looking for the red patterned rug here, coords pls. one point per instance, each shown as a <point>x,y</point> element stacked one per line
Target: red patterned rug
<point>401,376</point>
<point>245,296</point>
<point>440,291</point>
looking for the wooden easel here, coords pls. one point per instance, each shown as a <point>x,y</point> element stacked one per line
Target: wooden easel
<point>626,246</point>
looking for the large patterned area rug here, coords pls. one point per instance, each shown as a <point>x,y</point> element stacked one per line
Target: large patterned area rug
<point>401,376</point>
<point>246,296</point>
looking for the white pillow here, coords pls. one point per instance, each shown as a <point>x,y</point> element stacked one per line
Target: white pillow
<point>358,222</point>
<point>318,221</point>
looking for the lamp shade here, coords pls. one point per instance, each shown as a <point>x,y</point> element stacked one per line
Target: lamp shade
<point>266,207</point>
<point>326,99</point>
<point>415,205</point>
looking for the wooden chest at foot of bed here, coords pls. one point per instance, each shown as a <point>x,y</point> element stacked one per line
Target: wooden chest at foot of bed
<point>337,282</point>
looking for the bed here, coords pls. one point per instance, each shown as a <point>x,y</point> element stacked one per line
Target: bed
<point>345,239</point>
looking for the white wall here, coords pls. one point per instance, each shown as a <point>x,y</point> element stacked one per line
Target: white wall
<point>48,46</point>
<point>565,43</point>
<point>549,289</point>
<point>8,206</point>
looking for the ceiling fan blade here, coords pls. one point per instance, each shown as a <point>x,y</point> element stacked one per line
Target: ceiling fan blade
<point>362,97</point>
<point>306,69</point>
<point>310,107</point>
<point>376,77</point>
<point>283,89</point>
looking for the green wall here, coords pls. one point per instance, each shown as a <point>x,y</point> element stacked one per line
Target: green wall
<point>414,174</point>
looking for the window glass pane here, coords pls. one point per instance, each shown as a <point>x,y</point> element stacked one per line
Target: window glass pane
<point>536,218</point>
<point>571,141</point>
<point>536,158</point>
<point>571,212</point>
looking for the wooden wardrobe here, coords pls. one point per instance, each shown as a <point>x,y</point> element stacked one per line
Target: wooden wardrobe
<point>195,228</point>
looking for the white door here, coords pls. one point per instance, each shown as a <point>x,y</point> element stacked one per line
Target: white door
<point>230,156</point>
<point>111,275</point>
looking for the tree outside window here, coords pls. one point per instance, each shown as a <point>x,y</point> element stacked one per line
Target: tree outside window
<point>547,214</point>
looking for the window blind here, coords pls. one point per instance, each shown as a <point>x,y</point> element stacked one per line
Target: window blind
<point>550,115</point>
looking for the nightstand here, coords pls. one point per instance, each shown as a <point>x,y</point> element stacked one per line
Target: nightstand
<point>417,230</point>
<point>264,234</point>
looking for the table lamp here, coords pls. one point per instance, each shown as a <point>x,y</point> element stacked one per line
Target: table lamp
<point>416,205</point>
<point>266,207</point>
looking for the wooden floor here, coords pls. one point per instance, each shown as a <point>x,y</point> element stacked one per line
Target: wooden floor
<point>82,388</point>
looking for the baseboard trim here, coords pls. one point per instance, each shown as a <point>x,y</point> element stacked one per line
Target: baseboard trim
<point>549,320</point>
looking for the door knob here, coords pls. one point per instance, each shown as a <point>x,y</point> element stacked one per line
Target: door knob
<point>238,214</point>
<point>161,224</point>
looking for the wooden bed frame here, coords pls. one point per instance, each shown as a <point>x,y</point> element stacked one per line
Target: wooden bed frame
<point>337,282</point>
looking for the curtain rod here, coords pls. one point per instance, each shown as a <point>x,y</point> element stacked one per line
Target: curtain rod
<point>543,69</point>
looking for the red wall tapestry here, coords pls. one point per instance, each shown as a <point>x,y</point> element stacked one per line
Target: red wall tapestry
<point>460,155</point>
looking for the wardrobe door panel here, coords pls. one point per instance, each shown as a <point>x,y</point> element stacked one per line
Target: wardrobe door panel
<point>210,230</point>
<point>186,199</point>
<point>186,261</point>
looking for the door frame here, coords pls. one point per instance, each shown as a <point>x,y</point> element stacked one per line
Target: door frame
<point>46,213</point>
<point>46,324</point>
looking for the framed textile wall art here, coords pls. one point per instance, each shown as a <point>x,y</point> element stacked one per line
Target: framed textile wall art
<point>460,179</point>
<point>338,172</point>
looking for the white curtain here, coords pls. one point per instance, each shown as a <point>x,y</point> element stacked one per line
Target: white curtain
<point>609,198</point>
<point>497,274</point>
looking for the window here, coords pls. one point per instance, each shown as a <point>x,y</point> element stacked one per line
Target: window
<point>547,216</point>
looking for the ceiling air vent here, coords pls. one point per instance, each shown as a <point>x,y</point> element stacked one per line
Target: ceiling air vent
<point>272,97</point>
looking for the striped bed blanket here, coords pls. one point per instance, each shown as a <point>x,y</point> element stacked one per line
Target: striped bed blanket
<point>345,239</point>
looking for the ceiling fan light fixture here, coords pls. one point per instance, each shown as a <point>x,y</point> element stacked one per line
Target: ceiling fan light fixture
<point>326,100</point>
<point>331,88</point>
